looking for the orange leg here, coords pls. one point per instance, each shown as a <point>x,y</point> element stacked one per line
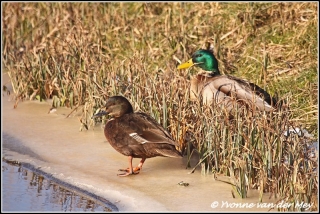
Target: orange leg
<point>141,163</point>
<point>131,170</point>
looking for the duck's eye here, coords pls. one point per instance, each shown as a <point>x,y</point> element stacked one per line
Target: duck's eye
<point>199,55</point>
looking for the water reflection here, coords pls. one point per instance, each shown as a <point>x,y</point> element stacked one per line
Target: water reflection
<point>24,190</point>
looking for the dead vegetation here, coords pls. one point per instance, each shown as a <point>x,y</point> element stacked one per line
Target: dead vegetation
<point>77,54</point>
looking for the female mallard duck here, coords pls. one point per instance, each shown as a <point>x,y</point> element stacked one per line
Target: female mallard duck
<point>136,135</point>
<point>223,89</point>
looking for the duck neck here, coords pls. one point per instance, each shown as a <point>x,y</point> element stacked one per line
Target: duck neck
<point>214,72</point>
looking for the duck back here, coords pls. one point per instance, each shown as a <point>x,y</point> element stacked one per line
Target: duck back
<point>140,136</point>
<point>224,90</point>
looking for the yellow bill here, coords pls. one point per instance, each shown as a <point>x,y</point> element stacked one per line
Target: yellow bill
<point>187,64</point>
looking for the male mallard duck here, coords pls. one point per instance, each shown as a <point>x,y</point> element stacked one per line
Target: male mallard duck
<point>136,135</point>
<point>222,89</point>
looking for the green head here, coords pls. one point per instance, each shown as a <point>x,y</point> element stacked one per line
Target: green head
<point>203,59</point>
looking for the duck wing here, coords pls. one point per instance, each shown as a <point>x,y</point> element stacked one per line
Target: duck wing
<point>145,129</point>
<point>241,90</point>
<point>256,89</point>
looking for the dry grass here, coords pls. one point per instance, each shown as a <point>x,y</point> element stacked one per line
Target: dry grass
<point>77,54</point>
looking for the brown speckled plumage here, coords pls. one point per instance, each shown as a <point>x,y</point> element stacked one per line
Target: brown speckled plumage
<point>136,135</point>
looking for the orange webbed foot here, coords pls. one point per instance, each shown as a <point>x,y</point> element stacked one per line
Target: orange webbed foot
<point>135,169</point>
<point>127,173</point>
